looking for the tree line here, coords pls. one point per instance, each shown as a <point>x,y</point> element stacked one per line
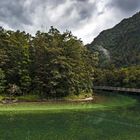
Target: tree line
<point>50,63</point>
<point>128,77</point>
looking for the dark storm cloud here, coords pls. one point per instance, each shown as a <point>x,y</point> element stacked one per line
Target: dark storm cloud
<point>36,3</point>
<point>13,13</point>
<point>16,13</point>
<point>85,9</point>
<point>86,18</point>
<point>81,0</point>
<point>77,12</point>
<point>126,5</point>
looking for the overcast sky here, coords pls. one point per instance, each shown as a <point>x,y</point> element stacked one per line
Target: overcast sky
<point>85,18</point>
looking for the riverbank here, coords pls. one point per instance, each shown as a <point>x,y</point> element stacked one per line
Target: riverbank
<point>101,103</point>
<point>35,98</point>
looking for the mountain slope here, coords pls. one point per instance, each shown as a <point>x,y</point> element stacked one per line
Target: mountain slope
<point>120,45</point>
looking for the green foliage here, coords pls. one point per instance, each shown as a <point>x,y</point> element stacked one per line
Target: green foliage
<point>67,69</point>
<point>2,81</point>
<point>29,97</point>
<point>52,64</point>
<point>123,77</point>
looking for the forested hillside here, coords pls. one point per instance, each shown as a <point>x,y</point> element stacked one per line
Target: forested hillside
<point>119,54</point>
<point>119,46</point>
<point>49,64</point>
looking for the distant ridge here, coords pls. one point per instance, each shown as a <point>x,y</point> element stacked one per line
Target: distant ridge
<point>119,45</point>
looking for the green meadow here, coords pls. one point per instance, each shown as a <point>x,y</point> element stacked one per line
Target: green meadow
<point>108,118</point>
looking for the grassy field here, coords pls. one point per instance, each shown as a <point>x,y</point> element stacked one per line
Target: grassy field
<point>110,118</point>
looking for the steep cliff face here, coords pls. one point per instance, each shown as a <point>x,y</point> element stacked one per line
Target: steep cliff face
<point>120,45</point>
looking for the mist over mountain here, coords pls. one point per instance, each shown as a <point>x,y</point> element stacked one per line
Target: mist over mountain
<point>120,45</point>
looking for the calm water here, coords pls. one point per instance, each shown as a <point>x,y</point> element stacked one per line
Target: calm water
<point>109,118</point>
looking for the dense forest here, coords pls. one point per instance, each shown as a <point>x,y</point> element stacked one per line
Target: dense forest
<point>123,77</point>
<point>55,64</point>
<point>48,64</point>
